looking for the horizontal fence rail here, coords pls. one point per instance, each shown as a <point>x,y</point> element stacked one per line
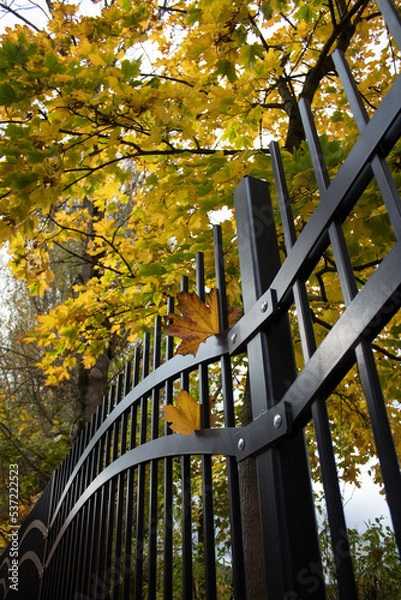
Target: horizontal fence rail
<point>137,511</point>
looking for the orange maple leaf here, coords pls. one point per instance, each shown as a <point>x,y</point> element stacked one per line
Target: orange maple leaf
<point>198,321</point>
<point>186,417</point>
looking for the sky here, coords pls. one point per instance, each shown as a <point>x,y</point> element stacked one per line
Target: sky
<point>365,503</point>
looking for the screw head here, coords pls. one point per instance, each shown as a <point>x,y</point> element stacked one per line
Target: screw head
<point>264,306</point>
<point>241,444</point>
<point>277,420</point>
<point>234,338</point>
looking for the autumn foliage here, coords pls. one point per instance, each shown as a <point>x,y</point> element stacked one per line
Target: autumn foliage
<point>123,133</point>
<point>123,136</point>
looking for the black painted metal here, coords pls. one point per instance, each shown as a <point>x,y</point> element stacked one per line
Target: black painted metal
<point>338,529</point>
<point>131,512</point>
<point>288,518</point>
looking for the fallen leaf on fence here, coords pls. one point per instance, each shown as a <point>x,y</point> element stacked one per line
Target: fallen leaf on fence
<point>185,418</point>
<point>198,321</point>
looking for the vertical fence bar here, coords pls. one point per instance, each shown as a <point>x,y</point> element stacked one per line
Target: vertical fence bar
<point>187,568</point>
<point>153,491</point>
<point>381,428</point>
<point>207,479</point>
<point>106,515</point>
<point>140,515</point>
<point>168,482</point>
<point>123,383</point>
<point>229,421</point>
<point>43,577</point>
<point>287,512</point>
<point>104,453</point>
<point>78,522</point>
<point>380,168</point>
<point>112,502</point>
<point>335,511</point>
<point>86,511</point>
<point>129,507</point>
<point>94,508</point>
<point>392,18</point>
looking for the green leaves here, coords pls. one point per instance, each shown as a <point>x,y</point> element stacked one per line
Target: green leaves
<point>250,53</point>
<point>226,68</point>
<point>8,95</point>
<point>130,68</point>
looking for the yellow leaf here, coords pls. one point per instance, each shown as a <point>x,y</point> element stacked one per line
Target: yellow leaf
<point>199,320</point>
<point>96,59</point>
<point>186,417</point>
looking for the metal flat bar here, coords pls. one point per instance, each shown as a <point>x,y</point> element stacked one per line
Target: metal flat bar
<point>353,176</point>
<point>209,351</point>
<point>380,168</point>
<point>367,314</point>
<point>212,441</point>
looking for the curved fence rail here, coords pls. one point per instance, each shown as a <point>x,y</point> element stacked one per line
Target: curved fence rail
<point>136,511</point>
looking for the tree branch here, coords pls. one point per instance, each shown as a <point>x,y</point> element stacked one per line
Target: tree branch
<point>16,14</point>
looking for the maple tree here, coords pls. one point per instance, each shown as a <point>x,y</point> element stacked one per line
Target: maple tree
<point>122,133</point>
<point>35,419</point>
<point>91,103</point>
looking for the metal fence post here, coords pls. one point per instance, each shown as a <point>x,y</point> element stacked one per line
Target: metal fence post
<point>291,549</point>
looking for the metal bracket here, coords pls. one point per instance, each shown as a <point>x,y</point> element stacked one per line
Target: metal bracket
<point>264,431</point>
<point>253,320</point>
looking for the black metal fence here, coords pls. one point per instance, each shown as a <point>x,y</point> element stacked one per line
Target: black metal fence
<point>138,512</point>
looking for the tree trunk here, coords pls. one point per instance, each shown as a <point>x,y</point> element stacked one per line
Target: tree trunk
<point>93,382</point>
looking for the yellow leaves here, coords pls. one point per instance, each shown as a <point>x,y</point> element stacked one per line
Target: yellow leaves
<point>199,320</point>
<point>185,418</point>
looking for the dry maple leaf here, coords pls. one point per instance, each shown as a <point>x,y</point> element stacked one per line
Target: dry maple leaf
<point>185,418</point>
<point>198,321</point>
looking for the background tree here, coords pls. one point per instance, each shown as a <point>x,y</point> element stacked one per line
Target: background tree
<point>187,95</point>
<point>35,419</point>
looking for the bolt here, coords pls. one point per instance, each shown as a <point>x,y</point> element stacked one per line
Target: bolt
<point>264,306</point>
<point>241,444</point>
<point>234,338</point>
<point>277,420</point>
